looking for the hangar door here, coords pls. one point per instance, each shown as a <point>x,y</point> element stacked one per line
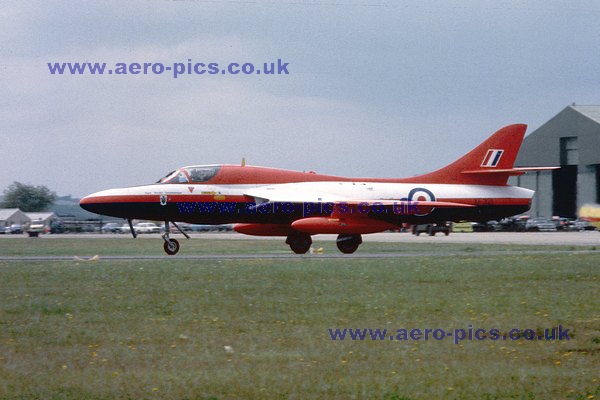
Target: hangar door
<point>564,180</point>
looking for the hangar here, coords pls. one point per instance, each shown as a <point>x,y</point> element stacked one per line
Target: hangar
<point>10,216</point>
<point>570,140</point>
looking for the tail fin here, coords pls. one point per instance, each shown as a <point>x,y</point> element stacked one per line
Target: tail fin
<point>490,163</point>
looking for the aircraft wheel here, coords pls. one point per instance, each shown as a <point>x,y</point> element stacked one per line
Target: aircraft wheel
<point>348,244</point>
<point>299,242</point>
<point>171,247</point>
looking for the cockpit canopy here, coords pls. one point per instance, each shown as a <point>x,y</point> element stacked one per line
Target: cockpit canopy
<point>196,174</point>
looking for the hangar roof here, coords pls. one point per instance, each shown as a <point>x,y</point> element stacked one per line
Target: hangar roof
<point>592,112</point>
<point>40,215</point>
<point>6,213</point>
<point>543,146</point>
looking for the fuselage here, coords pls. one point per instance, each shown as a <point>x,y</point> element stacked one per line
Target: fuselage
<point>218,194</point>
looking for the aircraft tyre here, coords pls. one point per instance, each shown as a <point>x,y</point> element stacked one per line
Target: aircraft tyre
<point>299,242</point>
<point>348,244</point>
<point>171,246</point>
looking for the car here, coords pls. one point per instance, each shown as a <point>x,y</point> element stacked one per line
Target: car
<point>583,225</point>
<point>488,226</point>
<point>512,224</point>
<point>200,228</point>
<point>563,224</point>
<point>35,228</point>
<point>184,226</point>
<point>431,229</point>
<point>14,229</point>
<point>111,227</point>
<point>224,228</point>
<point>89,228</point>
<point>124,229</point>
<point>540,225</point>
<point>57,227</point>
<point>146,227</point>
<point>210,228</point>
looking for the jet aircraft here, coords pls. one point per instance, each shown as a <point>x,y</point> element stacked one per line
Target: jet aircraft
<point>276,202</point>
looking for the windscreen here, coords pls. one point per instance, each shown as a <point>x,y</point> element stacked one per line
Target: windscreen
<point>197,174</point>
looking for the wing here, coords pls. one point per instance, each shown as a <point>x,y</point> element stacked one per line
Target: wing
<point>297,194</point>
<point>324,211</point>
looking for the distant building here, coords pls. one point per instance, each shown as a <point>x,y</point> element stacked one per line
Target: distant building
<point>570,140</point>
<point>9,216</point>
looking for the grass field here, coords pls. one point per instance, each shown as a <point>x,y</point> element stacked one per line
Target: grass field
<point>228,329</point>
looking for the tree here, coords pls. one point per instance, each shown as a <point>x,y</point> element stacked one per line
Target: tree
<point>28,198</point>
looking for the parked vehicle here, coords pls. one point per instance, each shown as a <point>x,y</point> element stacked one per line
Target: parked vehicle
<point>57,227</point>
<point>124,229</point>
<point>14,229</point>
<point>431,229</point>
<point>90,228</point>
<point>211,228</point>
<point>583,225</point>
<point>111,227</point>
<point>563,224</point>
<point>147,227</point>
<point>513,224</point>
<point>35,228</point>
<point>540,225</point>
<point>488,226</point>
<point>11,229</point>
<point>184,226</point>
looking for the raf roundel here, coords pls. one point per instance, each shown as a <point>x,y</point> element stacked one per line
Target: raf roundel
<point>421,194</point>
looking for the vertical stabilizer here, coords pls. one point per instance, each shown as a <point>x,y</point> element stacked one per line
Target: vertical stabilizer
<point>490,163</point>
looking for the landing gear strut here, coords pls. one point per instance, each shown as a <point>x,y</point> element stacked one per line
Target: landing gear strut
<point>348,244</point>
<point>299,242</point>
<point>171,246</point>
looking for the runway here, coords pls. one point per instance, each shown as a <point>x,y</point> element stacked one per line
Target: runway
<point>586,238</point>
<point>291,256</point>
<point>577,241</point>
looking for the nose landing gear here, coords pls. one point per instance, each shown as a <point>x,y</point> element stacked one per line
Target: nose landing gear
<point>171,246</point>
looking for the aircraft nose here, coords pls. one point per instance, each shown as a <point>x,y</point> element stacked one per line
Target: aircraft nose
<point>120,203</point>
<point>111,202</point>
<point>92,203</point>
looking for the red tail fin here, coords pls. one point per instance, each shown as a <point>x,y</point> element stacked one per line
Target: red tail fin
<point>490,163</point>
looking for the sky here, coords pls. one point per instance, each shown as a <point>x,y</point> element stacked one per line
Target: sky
<point>377,89</point>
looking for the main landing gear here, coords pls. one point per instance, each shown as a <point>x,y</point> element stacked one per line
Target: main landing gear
<point>348,244</point>
<point>171,246</point>
<point>300,242</point>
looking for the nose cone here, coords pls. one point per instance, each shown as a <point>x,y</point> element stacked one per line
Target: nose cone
<point>107,202</point>
<point>94,202</point>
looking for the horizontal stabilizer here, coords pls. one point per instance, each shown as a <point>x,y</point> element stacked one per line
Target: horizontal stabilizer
<point>510,171</point>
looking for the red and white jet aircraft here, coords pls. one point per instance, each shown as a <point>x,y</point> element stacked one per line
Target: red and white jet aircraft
<point>274,202</point>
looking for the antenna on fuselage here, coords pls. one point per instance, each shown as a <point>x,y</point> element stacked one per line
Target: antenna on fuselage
<point>243,161</point>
